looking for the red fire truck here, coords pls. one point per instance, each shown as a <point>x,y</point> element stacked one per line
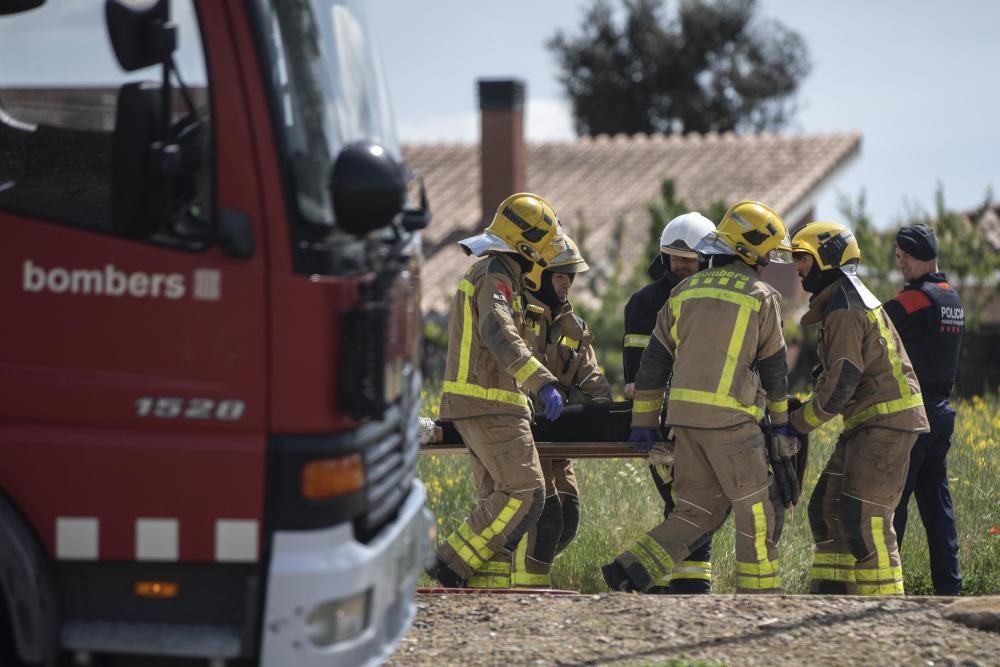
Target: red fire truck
<point>209,279</point>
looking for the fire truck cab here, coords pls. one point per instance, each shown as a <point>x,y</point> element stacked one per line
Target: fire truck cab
<point>209,377</point>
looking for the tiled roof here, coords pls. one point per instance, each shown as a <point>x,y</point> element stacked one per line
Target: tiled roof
<point>593,182</point>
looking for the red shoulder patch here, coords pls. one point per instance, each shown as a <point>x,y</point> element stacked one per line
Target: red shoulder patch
<point>504,289</point>
<point>912,300</point>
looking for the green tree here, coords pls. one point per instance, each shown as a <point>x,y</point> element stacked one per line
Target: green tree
<point>878,260</point>
<point>607,320</point>
<point>708,65</point>
<point>964,254</point>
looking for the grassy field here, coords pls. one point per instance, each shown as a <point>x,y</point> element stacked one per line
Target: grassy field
<point>620,503</point>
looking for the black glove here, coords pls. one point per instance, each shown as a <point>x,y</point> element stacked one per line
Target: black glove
<point>782,446</point>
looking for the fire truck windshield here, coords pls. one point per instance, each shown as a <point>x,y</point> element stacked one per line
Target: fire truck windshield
<point>329,91</point>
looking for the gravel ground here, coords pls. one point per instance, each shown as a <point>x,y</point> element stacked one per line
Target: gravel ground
<point>624,629</point>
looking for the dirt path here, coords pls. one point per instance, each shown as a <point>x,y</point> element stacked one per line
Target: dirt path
<point>635,630</point>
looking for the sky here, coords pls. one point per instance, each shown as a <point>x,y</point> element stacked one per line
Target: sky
<point>918,79</point>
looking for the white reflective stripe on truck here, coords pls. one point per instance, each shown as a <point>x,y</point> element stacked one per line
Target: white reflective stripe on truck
<point>157,539</point>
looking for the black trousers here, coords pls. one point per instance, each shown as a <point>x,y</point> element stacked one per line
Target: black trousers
<point>927,478</point>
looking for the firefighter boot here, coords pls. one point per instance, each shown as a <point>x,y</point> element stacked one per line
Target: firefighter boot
<point>616,578</point>
<point>445,575</point>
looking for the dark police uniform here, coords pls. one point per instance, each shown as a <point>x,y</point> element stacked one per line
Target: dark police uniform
<point>929,318</point>
<point>640,319</point>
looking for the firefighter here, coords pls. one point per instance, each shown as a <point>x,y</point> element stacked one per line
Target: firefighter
<point>929,318</point>
<point>866,376</point>
<point>717,342</point>
<point>676,261</point>
<point>488,371</point>
<point>559,338</point>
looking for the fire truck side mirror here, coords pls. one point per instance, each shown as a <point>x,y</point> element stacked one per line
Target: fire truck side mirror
<point>140,36</point>
<point>368,188</point>
<point>135,200</point>
<point>415,219</point>
<point>15,6</point>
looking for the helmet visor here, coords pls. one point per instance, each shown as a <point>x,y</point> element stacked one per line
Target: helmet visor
<point>780,256</point>
<point>783,253</point>
<point>713,244</point>
<point>483,243</point>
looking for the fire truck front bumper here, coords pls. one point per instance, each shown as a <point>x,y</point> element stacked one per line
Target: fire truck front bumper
<point>332,600</point>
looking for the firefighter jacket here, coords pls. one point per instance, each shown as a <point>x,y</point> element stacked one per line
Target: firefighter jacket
<point>720,337</point>
<point>865,374</point>
<point>564,345</point>
<point>930,320</point>
<point>640,318</point>
<point>489,367</point>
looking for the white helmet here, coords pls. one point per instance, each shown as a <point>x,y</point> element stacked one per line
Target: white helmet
<point>683,233</point>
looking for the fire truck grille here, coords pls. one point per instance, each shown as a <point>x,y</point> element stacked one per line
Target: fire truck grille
<point>390,466</point>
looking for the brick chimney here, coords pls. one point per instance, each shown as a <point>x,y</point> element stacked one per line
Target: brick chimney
<point>502,150</point>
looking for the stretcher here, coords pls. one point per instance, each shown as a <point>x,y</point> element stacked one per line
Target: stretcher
<point>591,431</point>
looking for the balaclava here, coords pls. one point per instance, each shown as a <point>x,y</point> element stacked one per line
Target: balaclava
<point>547,293</point>
<point>818,279</point>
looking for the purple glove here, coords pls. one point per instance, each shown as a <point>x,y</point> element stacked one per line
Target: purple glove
<point>553,402</point>
<point>642,439</point>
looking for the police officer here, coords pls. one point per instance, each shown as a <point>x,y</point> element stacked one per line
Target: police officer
<point>929,318</point>
<point>717,342</point>
<point>866,376</point>
<point>676,261</point>
<point>488,371</point>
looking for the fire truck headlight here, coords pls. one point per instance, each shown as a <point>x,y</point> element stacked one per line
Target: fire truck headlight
<point>336,621</point>
<point>327,478</point>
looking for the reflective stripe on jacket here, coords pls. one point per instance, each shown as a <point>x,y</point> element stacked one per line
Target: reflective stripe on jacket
<point>489,368</point>
<point>564,345</point>
<point>867,376</point>
<point>640,318</point>
<point>715,329</point>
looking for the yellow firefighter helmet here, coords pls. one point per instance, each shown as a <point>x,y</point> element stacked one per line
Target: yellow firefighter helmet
<point>753,232</point>
<point>525,224</point>
<point>569,261</point>
<point>831,244</point>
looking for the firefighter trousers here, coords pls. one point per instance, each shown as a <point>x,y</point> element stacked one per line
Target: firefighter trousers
<point>555,529</point>
<point>511,494</point>
<point>715,469</point>
<point>693,574</point>
<point>851,512</point>
<point>568,491</point>
<point>927,479</point>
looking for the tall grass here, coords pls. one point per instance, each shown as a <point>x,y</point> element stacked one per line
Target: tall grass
<point>620,503</point>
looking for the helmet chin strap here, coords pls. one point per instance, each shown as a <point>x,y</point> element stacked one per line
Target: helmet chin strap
<point>532,277</point>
